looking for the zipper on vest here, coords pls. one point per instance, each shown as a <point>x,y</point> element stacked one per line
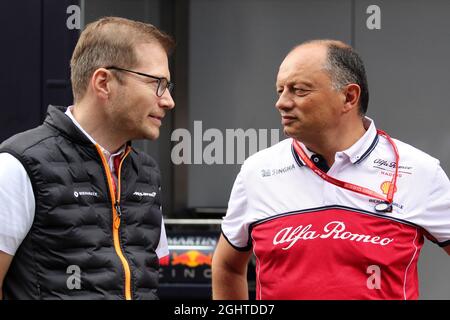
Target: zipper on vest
<point>117,213</point>
<point>118,209</point>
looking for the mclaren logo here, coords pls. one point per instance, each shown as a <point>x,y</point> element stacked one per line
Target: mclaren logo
<point>144,194</point>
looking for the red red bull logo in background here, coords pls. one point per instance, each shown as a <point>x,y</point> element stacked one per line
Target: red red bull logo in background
<point>191,258</point>
<point>164,261</point>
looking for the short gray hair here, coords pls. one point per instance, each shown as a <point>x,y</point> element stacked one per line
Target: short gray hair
<point>344,67</point>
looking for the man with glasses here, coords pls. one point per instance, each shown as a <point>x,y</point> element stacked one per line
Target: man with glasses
<point>81,209</point>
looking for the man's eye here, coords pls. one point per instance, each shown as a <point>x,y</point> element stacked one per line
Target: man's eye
<point>301,91</point>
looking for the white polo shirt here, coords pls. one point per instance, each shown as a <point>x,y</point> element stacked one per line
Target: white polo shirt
<point>315,240</point>
<point>18,203</point>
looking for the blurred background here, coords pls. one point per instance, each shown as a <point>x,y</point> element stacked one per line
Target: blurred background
<point>225,64</point>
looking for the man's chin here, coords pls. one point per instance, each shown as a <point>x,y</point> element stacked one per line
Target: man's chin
<point>291,133</point>
<point>146,135</point>
<point>152,135</point>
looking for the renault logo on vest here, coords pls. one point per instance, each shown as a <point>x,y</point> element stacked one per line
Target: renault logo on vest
<point>85,193</point>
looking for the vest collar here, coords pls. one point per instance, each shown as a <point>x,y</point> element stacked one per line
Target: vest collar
<point>57,119</point>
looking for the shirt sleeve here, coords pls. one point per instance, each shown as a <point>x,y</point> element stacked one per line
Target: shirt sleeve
<point>163,249</point>
<point>17,203</point>
<point>437,214</point>
<point>234,225</point>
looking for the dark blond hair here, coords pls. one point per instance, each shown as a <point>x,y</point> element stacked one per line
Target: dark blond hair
<point>111,41</point>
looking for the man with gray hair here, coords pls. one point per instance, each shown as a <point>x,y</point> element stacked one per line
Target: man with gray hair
<point>81,209</point>
<point>335,211</point>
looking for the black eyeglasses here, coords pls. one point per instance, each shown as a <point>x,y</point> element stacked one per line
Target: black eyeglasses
<point>163,83</point>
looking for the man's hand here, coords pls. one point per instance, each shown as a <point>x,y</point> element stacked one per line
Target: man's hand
<point>229,272</point>
<point>5,261</point>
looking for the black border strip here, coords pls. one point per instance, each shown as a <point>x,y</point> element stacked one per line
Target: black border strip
<point>371,148</point>
<point>242,249</point>
<point>316,209</point>
<point>443,244</point>
<point>296,157</point>
<point>363,157</point>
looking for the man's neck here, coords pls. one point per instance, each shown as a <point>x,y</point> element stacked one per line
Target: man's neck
<point>328,144</point>
<point>96,125</point>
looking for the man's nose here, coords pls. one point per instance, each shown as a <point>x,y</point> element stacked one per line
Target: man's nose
<point>166,101</point>
<point>284,101</point>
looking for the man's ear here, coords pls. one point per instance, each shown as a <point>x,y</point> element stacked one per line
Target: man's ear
<point>351,92</point>
<point>101,82</point>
